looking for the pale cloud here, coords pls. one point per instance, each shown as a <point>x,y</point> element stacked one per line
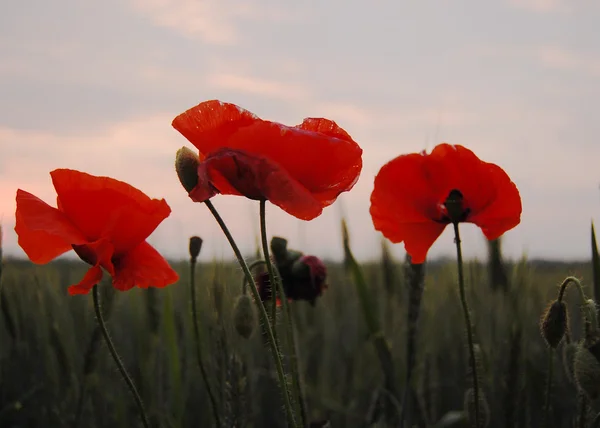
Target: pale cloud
<point>212,21</point>
<point>540,6</point>
<point>258,86</point>
<point>564,59</point>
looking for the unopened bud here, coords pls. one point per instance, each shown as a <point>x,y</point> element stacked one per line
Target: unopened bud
<point>243,316</point>
<point>195,247</point>
<point>591,314</point>
<point>554,323</point>
<point>587,371</point>
<point>186,165</point>
<point>484,408</point>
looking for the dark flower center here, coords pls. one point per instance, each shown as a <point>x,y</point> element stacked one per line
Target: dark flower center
<point>85,254</point>
<point>454,210</point>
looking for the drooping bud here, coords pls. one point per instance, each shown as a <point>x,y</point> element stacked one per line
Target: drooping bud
<point>586,368</point>
<point>554,323</point>
<point>591,314</point>
<point>186,165</point>
<point>243,316</point>
<point>279,249</point>
<point>484,408</point>
<point>195,247</point>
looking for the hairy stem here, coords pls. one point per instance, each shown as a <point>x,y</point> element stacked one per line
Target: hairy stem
<point>117,359</point>
<point>264,318</point>
<point>275,280</point>
<point>469,326</point>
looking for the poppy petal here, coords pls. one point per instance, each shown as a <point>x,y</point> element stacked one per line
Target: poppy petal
<point>44,232</point>
<point>143,267</point>
<point>256,177</point>
<point>450,167</point>
<point>102,207</point>
<point>504,213</point>
<point>341,159</point>
<point>97,253</point>
<point>91,278</point>
<point>403,205</point>
<point>318,154</point>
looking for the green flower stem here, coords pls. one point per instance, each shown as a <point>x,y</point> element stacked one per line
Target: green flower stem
<point>264,318</point>
<point>117,359</point>
<point>275,280</point>
<point>588,305</point>
<point>211,396</point>
<point>469,326</point>
<point>251,267</point>
<point>548,387</point>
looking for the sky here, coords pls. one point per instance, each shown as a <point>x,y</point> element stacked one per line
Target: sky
<point>94,86</point>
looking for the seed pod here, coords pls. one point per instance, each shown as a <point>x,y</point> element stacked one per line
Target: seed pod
<point>244,318</point>
<point>554,323</point>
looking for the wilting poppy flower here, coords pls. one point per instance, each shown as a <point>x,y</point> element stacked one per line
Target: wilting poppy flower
<point>303,277</point>
<point>416,195</point>
<point>301,169</point>
<point>105,221</point>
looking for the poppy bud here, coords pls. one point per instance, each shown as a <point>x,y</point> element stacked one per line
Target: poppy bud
<point>243,316</point>
<point>469,408</point>
<point>587,370</point>
<point>554,323</point>
<point>186,165</point>
<point>308,275</point>
<point>279,248</point>
<point>195,247</point>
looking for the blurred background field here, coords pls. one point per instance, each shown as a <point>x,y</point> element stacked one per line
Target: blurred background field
<point>49,347</point>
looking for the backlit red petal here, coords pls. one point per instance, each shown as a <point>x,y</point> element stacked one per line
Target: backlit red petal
<point>143,267</point>
<point>43,232</point>
<point>102,207</point>
<point>91,278</point>
<point>256,177</point>
<point>451,167</point>
<point>404,204</point>
<point>317,154</point>
<point>504,212</point>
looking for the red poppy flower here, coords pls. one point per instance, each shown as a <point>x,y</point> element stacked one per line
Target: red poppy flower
<point>105,221</point>
<point>416,195</point>
<point>301,169</point>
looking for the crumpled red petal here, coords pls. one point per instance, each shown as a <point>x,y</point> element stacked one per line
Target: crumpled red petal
<point>143,267</point>
<point>257,177</point>
<point>317,154</point>
<point>44,232</point>
<point>102,207</point>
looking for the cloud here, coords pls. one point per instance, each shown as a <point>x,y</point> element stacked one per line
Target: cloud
<point>559,58</point>
<point>212,21</point>
<point>258,86</point>
<point>540,6</point>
